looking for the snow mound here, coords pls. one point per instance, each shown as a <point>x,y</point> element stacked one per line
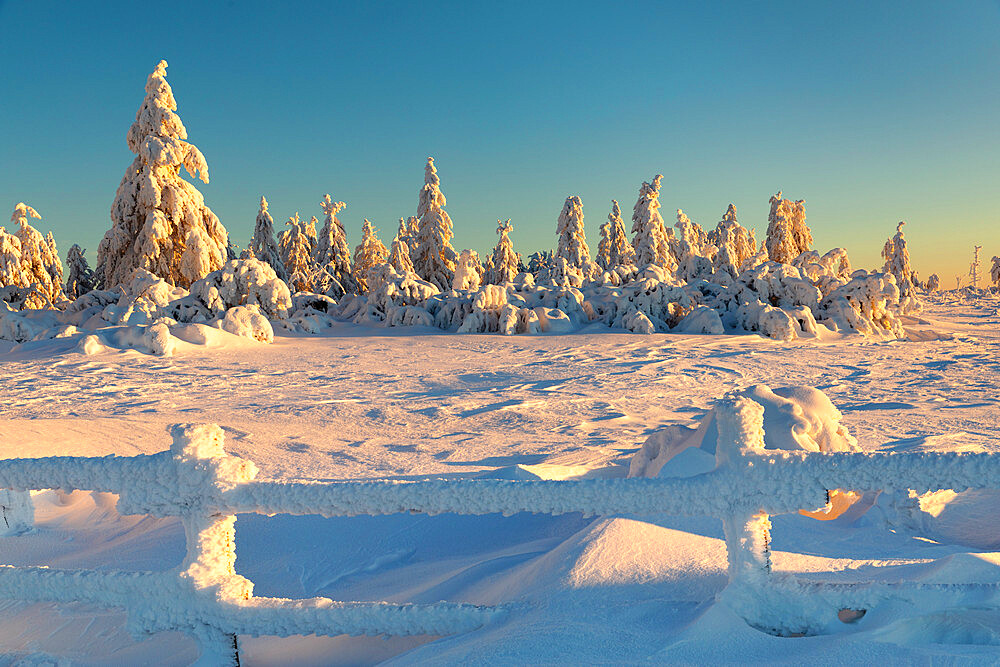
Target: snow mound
<point>795,418</point>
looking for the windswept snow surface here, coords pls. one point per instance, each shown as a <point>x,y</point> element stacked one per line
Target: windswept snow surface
<point>362,403</point>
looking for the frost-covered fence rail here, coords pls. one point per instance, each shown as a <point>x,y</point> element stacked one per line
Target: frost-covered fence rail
<point>771,482</point>
<point>203,597</point>
<point>197,481</point>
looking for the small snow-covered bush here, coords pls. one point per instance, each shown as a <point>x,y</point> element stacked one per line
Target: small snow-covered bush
<point>243,282</point>
<point>864,305</point>
<point>247,321</point>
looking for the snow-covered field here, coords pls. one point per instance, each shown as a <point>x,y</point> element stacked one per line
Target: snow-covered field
<point>410,403</point>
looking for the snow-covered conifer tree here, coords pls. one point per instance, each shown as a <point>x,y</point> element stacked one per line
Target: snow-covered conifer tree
<point>399,253</point>
<point>504,264</point>
<point>434,258</point>
<point>540,266</point>
<point>933,283</point>
<point>995,272</point>
<point>801,234</point>
<point>332,254</point>
<point>80,279</point>
<point>621,252</point>
<point>370,253</point>
<point>262,244</point>
<point>412,234</point>
<point>310,230</point>
<point>736,244</point>
<point>649,233</point>
<point>296,256</point>
<point>467,271</point>
<point>11,274</point>
<point>39,267</point>
<point>897,261</point>
<point>572,238</point>
<point>158,220</point>
<point>52,263</point>
<point>603,257</point>
<point>787,233</point>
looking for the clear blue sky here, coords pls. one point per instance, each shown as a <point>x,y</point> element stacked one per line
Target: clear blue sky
<point>871,112</point>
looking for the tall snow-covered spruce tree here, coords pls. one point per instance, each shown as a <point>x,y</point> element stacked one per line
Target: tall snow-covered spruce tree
<point>370,253</point>
<point>572,244</point>
<point>159,221</point>
<point>614,248</point>
<point>505,265</point>
<point>263,246</point>
<point>297,255</point>
<point>787,233</point>
<point>434,258</point>
<point>399,253</point>
<point>897,261</point>
<point>332,254</point>
<point>736,244</point>
<point>649,233</point>
<point>80,279</point>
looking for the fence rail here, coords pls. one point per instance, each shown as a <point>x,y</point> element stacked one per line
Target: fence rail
<point>199,482</point>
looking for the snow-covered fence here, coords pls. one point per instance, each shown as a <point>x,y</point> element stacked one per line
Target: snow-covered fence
<point>199,482</point>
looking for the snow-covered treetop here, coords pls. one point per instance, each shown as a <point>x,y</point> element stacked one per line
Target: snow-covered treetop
<point>995,271</point>
<point>22,212</point>
<point>158,133</point>
<point>430,195</point>
<point>650,234</point>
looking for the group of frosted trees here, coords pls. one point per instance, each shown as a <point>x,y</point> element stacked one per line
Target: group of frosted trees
<point>160,223</point>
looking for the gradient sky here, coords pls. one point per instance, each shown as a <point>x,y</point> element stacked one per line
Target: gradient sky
<point>871,112</point>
